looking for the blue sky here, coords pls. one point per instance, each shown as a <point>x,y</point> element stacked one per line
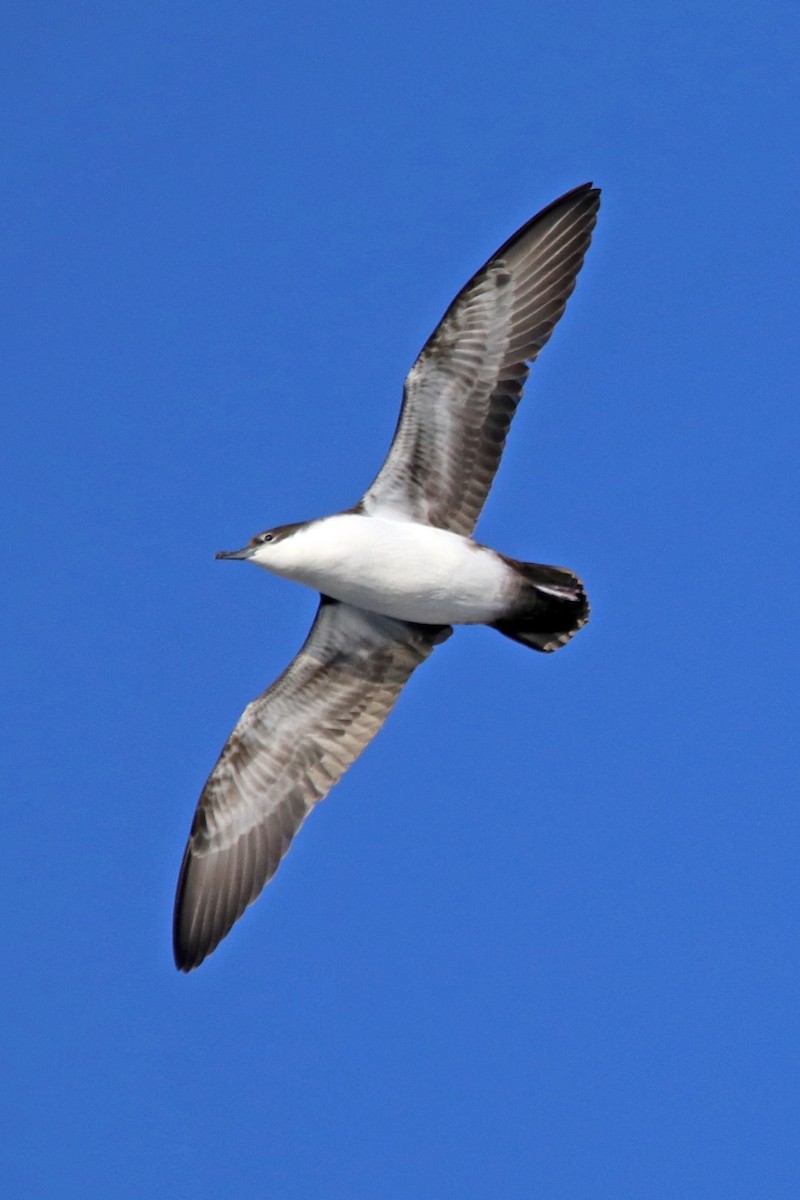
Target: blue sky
<point>542,939</point>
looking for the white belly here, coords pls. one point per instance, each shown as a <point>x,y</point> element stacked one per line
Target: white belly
<point>413,572</point>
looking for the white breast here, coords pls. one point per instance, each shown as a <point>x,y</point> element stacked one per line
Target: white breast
<point>398,568</point>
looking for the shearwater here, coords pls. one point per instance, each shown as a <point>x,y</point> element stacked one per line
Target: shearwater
<point>395,573</point>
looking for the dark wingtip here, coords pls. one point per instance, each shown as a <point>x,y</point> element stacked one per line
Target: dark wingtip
<point>185,961</point>
<point>584,192</point>
<point>186,956</point>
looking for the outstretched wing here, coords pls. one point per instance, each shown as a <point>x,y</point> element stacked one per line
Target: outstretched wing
<point>464,388</point>
<point>289,748</point>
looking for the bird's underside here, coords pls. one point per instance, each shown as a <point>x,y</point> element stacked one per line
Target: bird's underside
<point>295,741</point>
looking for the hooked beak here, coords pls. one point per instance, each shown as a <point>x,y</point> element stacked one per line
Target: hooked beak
<point>244,553</point>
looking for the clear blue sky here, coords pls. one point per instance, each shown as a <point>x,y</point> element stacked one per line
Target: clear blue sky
<point>542,940</point>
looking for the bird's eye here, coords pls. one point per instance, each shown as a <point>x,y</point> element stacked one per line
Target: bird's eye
<point>266,537</point>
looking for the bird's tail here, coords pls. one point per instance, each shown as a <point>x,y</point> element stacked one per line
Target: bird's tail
<point>550,609</point>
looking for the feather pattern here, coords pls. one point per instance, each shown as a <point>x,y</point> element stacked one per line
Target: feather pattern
<point>289,748</point>
<point>462,392</point>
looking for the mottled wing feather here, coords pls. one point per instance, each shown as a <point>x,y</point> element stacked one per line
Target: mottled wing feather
<point>289,748</point>
<point>463,390</point>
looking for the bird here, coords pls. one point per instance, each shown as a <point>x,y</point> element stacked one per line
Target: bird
<point>395,573</point>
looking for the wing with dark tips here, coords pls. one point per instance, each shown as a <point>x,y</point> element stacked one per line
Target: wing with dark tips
<point>289,748</point>
<point>463,390</point>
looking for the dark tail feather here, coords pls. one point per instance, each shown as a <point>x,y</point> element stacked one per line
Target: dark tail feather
<point>551,608</point>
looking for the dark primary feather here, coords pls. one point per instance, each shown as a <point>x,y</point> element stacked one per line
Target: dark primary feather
<point>289,748</point>
<point>462,392</point>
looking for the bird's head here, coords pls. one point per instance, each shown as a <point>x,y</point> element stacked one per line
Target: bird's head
<point>268,549</point>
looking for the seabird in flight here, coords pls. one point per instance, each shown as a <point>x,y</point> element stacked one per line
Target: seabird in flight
<point>395,573</point>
